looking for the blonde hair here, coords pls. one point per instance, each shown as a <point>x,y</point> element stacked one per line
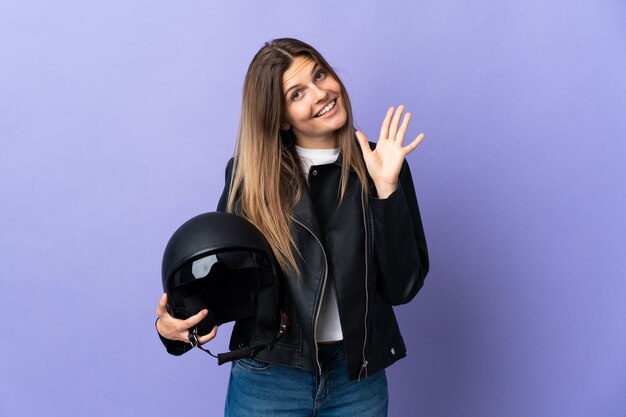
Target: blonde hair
<point>267,180</point>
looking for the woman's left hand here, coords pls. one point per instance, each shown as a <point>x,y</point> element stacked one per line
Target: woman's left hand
<point>384,162</point>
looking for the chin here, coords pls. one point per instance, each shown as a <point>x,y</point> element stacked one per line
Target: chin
<point>342,119</point>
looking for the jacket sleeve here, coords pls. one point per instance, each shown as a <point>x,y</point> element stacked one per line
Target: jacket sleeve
<point>400,244</point>
<point>176,347</point>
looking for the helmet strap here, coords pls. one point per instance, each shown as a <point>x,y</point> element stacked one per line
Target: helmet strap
<point>246,351</point>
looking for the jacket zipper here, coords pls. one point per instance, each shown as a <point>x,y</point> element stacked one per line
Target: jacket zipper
<point>317,310</point>
<point>364,364</point>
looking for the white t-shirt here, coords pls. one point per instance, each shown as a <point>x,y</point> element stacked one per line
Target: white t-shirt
<point>328,325</point>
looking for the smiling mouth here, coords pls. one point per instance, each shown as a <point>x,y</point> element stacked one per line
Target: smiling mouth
<point>326,109</point>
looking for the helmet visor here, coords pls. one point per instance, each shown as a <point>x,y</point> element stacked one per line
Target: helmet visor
<point>220,265</point>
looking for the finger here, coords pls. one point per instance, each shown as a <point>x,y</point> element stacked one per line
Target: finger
<point>403,127</point>
<point>411,146</point>
<point>393,129</point>
<point>207,337</point>
<point>363,142</point>
<point>162,307</point>
<point>195,319</point>
<point>384,128</point>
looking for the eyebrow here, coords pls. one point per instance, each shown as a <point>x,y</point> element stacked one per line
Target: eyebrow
<point>315,67</point>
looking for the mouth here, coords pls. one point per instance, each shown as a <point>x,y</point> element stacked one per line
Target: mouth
<point>327,108</point>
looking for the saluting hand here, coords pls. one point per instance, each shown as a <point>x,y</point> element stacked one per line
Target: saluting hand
<point>384,163</point>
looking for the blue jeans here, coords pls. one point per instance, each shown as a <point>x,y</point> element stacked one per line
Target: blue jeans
<point>261,389</point>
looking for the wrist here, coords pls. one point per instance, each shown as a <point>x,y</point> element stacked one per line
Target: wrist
<point>156,325</point>
<point>384,190</point>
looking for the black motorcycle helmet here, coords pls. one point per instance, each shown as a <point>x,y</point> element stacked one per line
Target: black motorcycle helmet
<point>221,262</point>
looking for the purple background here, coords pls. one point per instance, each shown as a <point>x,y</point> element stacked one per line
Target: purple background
<point>116,122</point>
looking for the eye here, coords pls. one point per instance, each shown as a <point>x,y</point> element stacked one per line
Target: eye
<point>296,95</point>
<point>320,75</point>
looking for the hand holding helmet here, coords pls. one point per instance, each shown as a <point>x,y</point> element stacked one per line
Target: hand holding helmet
<point>176,329</point>
<point>217,268</point>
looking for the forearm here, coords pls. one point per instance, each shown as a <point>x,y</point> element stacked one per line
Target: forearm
<point>400,244</point>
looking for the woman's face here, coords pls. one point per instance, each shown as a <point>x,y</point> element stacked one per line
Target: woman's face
<point>314,109</point>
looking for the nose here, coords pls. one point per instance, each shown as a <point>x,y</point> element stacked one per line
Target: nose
<point>318,94</point>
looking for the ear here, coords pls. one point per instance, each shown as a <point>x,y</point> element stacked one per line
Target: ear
<point>284,125</point>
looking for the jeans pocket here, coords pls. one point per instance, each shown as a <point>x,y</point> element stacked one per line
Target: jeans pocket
<point>252,364</point>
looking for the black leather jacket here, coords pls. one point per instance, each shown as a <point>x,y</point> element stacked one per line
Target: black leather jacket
<point>372,250</point>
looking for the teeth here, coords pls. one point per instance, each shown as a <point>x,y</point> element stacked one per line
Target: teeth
<point>327,108</point>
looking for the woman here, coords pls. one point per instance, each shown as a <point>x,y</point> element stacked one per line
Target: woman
<point>342,219</point>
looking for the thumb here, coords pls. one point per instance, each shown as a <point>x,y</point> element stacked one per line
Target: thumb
<point>162,307</point>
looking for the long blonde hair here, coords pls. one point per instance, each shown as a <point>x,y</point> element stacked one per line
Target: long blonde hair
<point>267,180</point>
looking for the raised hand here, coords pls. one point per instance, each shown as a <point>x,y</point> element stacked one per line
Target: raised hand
<point>175,329</point>
<point>384,163</point>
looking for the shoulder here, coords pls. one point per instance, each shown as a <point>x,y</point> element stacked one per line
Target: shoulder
<point>228,175</point>
<point>228,171</point>
<point>230,164</point>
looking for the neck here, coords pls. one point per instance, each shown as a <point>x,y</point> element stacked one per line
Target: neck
<point>317,142</point>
